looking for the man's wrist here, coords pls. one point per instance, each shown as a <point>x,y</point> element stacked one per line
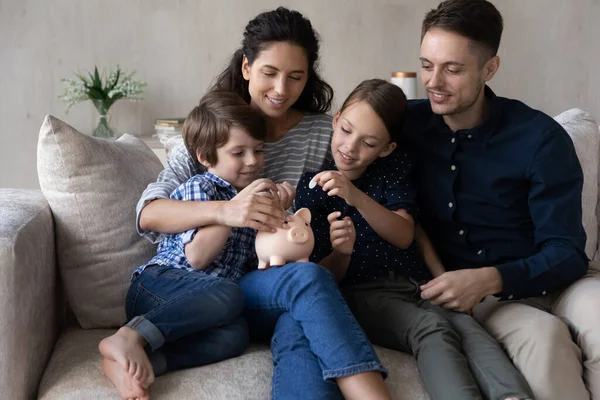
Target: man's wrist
<point>493,280</point>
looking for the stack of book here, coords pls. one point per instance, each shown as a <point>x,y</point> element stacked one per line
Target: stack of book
<point>168,131</point>
<point>168,126</point>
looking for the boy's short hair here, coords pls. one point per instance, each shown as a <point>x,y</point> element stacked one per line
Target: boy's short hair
<point>207,126</point>
<point>478,20</point>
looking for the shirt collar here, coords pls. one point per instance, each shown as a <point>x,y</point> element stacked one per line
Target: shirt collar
<point>484,131</point>
<point>218,181</point>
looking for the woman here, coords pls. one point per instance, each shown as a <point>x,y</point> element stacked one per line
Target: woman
<point>275,71</point>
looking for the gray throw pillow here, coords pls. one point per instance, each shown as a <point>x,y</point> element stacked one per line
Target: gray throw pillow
<point>92,186</point>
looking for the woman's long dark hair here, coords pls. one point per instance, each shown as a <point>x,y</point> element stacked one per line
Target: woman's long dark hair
<point>280,25</point>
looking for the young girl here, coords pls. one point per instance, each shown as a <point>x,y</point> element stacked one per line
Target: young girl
<point>275,72</point>
<point>363,219</point>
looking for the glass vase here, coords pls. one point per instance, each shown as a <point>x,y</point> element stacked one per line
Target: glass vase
<point>103,129</point>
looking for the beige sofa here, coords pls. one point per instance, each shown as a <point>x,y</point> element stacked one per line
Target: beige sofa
<point>66,253</point>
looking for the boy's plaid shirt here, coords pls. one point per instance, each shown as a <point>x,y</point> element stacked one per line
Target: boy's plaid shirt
<point>238,253</point>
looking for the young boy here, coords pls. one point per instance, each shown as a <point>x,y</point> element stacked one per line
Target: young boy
<point>184,307</point>
<point>372,251</point>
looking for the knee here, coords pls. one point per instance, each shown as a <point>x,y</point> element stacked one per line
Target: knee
<point>431,327</point>
<point>229,299</point>
<point>236,337</point>
<point>310,273</point>
<point>549,335</point>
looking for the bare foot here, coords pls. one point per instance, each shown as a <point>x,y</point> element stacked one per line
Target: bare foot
<point>126,348</point>
<point>128,388</point>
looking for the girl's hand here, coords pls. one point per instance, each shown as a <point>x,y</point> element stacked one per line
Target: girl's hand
<point>286,193</point>
<point>336,184</point>
<point>341,233</point>
<point>255,207</point>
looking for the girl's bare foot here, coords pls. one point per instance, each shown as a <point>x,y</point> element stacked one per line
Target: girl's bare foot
<point>126,348</point>
<point>128,388</point>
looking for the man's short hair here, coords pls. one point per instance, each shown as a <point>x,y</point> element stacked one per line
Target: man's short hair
<point>207,126</point>
<point>478,20</point>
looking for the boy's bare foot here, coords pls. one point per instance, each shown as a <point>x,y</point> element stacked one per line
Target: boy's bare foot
<point>128,388</point>
<point>126,348</point>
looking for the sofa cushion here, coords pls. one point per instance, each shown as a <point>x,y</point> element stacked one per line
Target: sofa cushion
<point>584,132</point>
<point>75,372</point>
<point>92,186</point>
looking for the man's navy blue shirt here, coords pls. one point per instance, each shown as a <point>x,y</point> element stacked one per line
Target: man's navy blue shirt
<point>387,181</point>
<point>506,193</point>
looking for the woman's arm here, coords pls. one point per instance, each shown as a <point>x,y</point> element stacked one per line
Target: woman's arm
<point>173,216</point>
<point>158,213</point>
<point>166,215</point>
<point>430,256</point>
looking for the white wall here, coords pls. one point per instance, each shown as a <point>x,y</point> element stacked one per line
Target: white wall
<point>550,52</point>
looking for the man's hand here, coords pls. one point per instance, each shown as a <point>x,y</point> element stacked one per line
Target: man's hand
<point>286,193</point>
<point>341,233</point>
<point>463,289</point>
<point>254,207</point>
<point>336,184</point>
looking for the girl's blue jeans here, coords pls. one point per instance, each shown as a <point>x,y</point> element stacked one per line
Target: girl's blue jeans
<point>187,318</point>
<point>315,337</point>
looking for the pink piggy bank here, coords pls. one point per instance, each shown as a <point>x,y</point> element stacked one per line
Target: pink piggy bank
<point>292,243</point>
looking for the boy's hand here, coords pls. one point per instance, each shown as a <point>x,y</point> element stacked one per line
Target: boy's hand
<point>255,207</point>
<point>341,233</point>
<point>336,184</point>
<point>286,193</point>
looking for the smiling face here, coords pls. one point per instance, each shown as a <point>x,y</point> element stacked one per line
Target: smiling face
<point>239,161</point>
<point>359,138</point>
<point>276,78</point>
<point>454,73</point>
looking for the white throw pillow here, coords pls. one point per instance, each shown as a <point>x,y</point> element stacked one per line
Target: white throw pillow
<point>584,132</point>
<point>92,186</point>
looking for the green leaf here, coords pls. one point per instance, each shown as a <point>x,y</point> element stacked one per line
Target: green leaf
<point>97,81</point>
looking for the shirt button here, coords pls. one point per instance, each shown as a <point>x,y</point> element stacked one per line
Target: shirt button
<point>469,136</point>
<point>450,205</point>
<point>453,168</point>
<point>452,140</point>
<point>544,293</point>
<point>479,252</point>
<point>243,237</point>
<point>461,232</point>
<point>511,297</point>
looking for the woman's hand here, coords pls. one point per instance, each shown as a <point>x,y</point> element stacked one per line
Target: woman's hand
<point>286,193</point>
<point>254,207</point>
<point>336,184</point>
<point>341,233</point>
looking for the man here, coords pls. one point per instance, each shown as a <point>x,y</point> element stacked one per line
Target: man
<point>500,195</point>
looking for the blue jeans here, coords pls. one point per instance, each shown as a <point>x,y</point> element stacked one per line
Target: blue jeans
<point>314,320</point>
<point>187,318</point>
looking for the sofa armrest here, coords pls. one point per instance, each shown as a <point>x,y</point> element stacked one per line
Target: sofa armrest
<point>27,291</point>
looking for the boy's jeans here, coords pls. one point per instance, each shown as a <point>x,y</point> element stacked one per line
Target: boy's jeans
<point>302,302</point>
<point>187,318</point>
